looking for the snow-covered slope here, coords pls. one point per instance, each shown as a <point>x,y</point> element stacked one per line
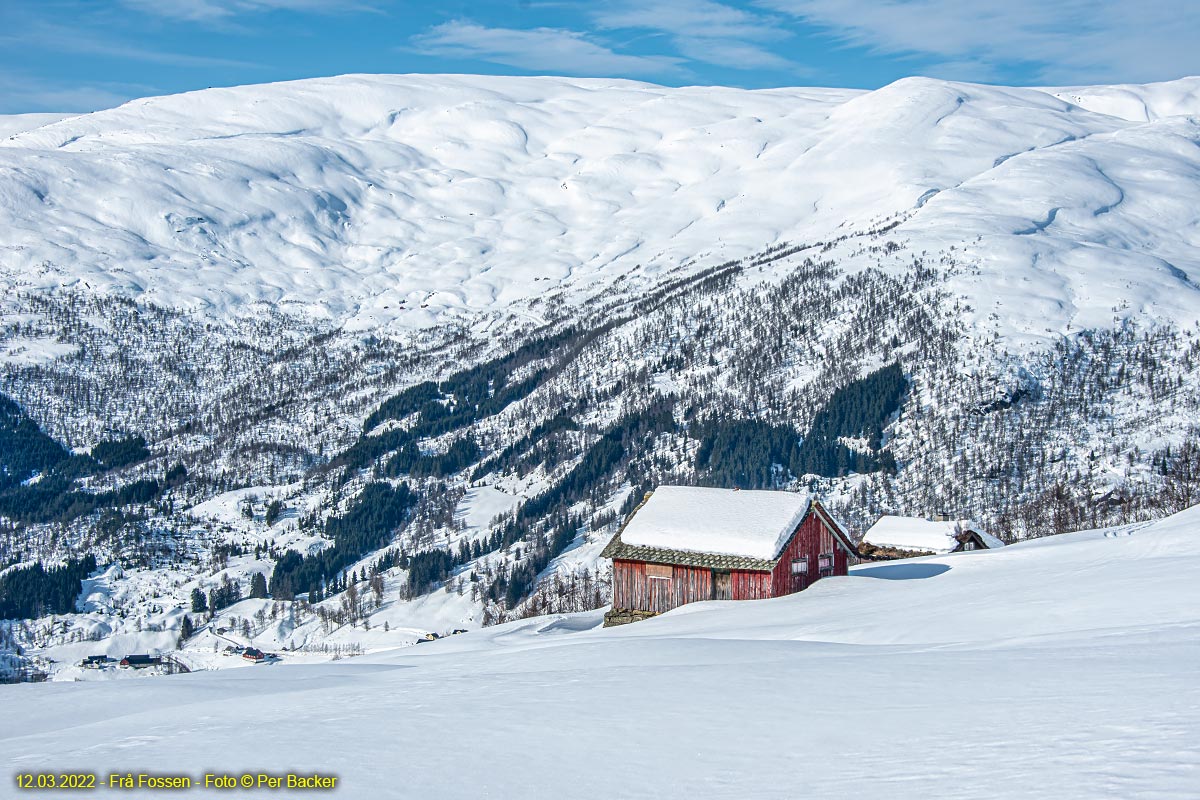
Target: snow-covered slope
<point>12,124</point>
<point>404,200</point>
<point>1062,669</point>
<point>713,267</point>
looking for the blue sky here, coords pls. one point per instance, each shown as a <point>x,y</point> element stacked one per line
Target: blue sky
<point>77,55</point>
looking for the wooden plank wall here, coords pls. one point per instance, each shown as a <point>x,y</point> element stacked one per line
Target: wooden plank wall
<point>750,585</point>
<point>811,539</point>
<point>634,590</point>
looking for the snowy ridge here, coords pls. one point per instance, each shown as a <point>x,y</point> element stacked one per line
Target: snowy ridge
<point>931,657</point>
<point>401,201</point>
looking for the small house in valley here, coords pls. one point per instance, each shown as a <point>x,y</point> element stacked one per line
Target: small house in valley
<point>685,543</point>
<point>141,661</point>
<point>96,662</point>
<point>904,537</point>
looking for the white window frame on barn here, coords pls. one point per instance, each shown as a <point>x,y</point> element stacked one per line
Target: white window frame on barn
<point>800,565</point>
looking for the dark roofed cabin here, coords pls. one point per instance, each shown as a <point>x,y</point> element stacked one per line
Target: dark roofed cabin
<point>139,661</point>
<point>684,544</point>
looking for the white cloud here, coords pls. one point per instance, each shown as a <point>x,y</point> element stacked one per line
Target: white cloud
<point>550,49</point>
<point>704,30</point>
<point>191,10</point>
<point>702,18</point>
<point>1064,41</point>
<point>61,39</point>
<point>221,10</point>
<point>733,53</point>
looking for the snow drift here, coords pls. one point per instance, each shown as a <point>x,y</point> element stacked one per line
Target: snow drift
<point>1059,668</point>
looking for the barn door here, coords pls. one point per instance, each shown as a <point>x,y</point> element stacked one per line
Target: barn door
<point>722,586</point>
<point>659,577</point>
<point>660,596</point>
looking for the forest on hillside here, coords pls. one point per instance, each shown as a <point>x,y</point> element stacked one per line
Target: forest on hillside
<point>778,371</point>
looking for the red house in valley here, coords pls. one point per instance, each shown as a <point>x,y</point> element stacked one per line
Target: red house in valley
<point>687,543</point>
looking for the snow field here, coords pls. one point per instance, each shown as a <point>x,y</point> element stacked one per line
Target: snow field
<point>1063,668</point>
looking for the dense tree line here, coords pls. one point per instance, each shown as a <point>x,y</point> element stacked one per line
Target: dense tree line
<point>367,525</point>
<point>121,453</point>
<point>510,455</point>
<point>400,405</point>
<point>745,453</point>
<point>176,475</point>
<point>755,454</point>
<point>860,409</point>
<point>223,595</point>
<point>53,499</point>
<point>474,393</point>
<point>24,448</point>
<point>601,459</point>
<point>273,511</point>
<point>409,460</point>
<point>598,467</point>
<point>34,591</point>
<point>428,568</point>
<point>516,583</point>
<point>460,400</point>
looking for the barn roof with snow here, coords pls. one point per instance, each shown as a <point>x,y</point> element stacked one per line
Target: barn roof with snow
<point>753,524</point>
<point>915,534</point>
<point>715,528</point>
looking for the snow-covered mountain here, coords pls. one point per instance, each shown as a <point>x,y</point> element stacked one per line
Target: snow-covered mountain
<point>1063,667</point>
<point>438,333</point>
<point>396,201</point>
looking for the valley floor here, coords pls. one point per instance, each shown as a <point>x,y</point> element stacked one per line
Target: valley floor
<point>1064,667</point>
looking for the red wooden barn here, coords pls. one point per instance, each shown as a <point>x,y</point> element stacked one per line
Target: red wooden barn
<point>687,543</point>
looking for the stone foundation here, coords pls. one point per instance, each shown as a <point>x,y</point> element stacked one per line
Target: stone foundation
<point>624,616</point>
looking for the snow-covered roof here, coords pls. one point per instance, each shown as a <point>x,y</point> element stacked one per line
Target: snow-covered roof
<point>915,533</point>
<point>753,524</point>
<point>991,541</point>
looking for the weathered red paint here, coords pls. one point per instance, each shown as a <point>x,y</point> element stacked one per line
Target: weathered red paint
<point>810,540</point>
<point>751,585</point>
<point>634,590</point>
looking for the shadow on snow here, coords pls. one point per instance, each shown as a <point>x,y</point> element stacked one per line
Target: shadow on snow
<point>902,572</point>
